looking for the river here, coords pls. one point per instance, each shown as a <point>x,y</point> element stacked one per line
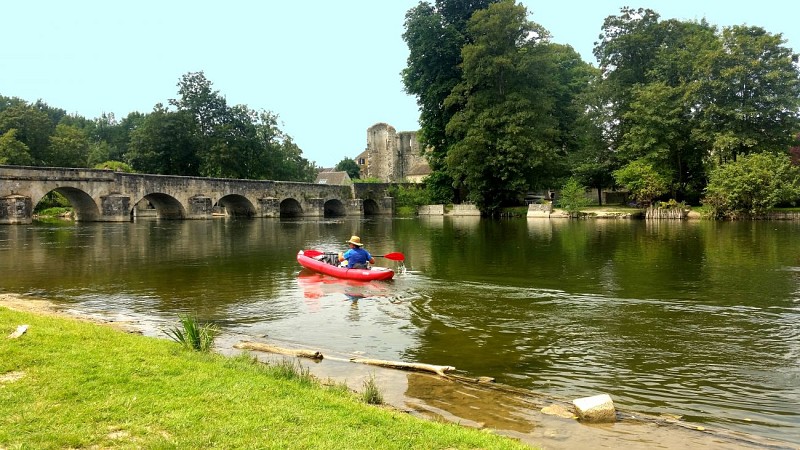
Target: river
<point>696,319</point>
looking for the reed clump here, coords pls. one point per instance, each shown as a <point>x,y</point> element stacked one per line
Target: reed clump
<point>192,335</point>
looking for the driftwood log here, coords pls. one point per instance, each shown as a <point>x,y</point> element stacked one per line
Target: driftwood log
<point>439,370</point>
<point>303,353</point>
<point>261,347</point>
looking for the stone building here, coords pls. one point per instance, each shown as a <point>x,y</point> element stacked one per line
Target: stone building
<point>391,156</point>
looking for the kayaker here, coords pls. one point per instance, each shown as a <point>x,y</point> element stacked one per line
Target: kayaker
<point>357,257</point>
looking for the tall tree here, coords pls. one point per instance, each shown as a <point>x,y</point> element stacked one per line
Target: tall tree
<point>282,158</point>
<point>625,51</point>
<point>236,141</point>
<point>349,165</point>
<point>435,36</point>
<point>165,143</point>
<point>593,160</point>
<point>506,131</point>
<point>12,151</point>
<point>33,129</point>
<point>752,97</point>
<point>573,77</point>
<point>675,93</point>
<point>664,109</point>
<point>69,147</point>
<point>206,105</point>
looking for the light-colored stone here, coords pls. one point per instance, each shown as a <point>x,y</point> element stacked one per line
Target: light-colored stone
<point>105,196</point>
<point>559,411</point>
<point>540,210</point>
<point>464,210</point>
<point>392,156</point>
<point>431,210</point>
<point>19,332</point>
<point>595,409</point>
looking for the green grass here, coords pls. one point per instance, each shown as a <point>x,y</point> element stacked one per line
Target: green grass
<point>54,211</point>
<point>73,384</point>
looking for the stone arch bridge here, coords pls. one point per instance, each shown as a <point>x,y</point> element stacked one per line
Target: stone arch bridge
<point>108,196</point>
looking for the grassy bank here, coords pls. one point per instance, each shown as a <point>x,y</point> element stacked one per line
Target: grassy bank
<point>73,384</point>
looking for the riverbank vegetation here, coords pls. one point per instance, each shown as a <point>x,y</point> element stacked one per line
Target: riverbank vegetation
<point>504,110</point>
<point>72,384</point>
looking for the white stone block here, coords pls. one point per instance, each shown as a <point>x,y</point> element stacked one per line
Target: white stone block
<point>431,210</point>
<point>595,409</point>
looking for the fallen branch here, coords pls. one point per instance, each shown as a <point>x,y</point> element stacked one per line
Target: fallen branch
<point>439,370</point>
<point>258,346</point>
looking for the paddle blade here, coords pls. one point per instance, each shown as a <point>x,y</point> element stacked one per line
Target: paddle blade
<point>312,253</point>
<point>394,256</point>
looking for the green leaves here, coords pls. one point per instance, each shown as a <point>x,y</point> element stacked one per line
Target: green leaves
<point>201,136</point>
<point>506,134</point>
<point>573,197</point>
<point>349,165</point>
<point>643,181</point>
<point>679,94</point>
<point>497,100</point>
<point>751,185</point>
<point>193,336</point>
<point>13,151</point>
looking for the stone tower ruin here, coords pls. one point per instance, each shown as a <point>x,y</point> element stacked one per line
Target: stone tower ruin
<point>392,156</point>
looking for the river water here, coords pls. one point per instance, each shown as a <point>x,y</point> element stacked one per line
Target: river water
<point>695,319</point>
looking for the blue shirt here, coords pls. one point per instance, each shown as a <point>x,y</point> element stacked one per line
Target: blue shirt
<point>356,255</point>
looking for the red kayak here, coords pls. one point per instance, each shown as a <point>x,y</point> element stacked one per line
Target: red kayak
<point>318,265</point>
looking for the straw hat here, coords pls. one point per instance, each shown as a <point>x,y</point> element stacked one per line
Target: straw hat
<point>355,240</point>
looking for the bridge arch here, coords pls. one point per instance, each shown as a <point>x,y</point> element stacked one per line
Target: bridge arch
<point>291,208</point>
<point>371,207</point>
<point>167,206</point>
<point>83,204</point>
<point>334,208</point>
<point>237,206</point>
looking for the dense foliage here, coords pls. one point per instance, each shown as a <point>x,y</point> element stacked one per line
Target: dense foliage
<point>201,135</point>
<point>435,36</point>
<point>573,197</point>
<point>642,180</point>
<point>685,98</point>
<point>752,185</point>
<point>409,197</point>
<point>503,110</point>
<point>496,99</point>
<point>350,166</point>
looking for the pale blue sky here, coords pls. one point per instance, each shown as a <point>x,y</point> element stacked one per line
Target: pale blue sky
<point>329,69</point>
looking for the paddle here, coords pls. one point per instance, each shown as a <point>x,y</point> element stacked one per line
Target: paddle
<point>394,256</point>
